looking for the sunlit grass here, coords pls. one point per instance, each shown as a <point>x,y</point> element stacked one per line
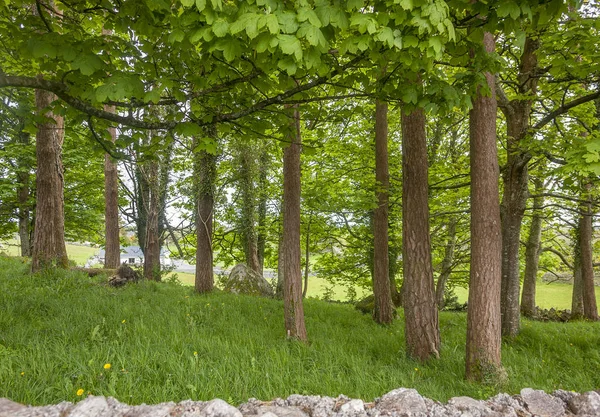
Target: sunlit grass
<point>58,331</point>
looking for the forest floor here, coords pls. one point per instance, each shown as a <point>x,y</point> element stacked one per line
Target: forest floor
<point>63,334</point>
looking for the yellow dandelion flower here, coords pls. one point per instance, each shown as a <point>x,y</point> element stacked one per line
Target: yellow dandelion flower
<point>416,369</point>
<point>107,366</point>
<point>195,353</point>
<point>123,322</point>
<point>80,392</point>
<point>22,373</point>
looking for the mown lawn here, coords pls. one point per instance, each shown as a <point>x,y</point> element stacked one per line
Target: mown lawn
<point>60,331</point>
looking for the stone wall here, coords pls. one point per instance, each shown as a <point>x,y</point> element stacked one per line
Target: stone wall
<point>401,402</point>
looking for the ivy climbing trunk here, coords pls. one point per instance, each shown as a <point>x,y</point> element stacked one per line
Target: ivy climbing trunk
<point>248,217</point>
<point>483,355</point>
<point>263,195</point>
<point>515,178</point>
<point>421,329</point>
<point>23,212</point>
<point>590,309</point>
<point>112,257</point>
<point>532,254</point>
<point>151,241</point>
<point>577,296</point>
<point>49,247</point>
<point>383,312</point>
<point>292,273</point>
<point>446,268</point>
<point>205,171</point>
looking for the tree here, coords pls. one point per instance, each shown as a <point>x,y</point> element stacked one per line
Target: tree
<point>383,312</point>
<point>292,287</point>
<point>111,205</point>
<point>590,309</point>
<point>483,358</point>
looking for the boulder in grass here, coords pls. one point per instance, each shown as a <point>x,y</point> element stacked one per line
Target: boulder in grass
<point>124,275</point>
<point>243,280</point>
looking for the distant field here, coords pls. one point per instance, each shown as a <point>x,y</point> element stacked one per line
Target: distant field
<point>77,253</point>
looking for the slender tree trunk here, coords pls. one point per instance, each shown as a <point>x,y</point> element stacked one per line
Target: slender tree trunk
<point>248,218</point>
<point>49,247</point>
<point>422,328</point>
<point>262,208</point>
<point>515,178</point>
<point>306,257</point>
<point>483,354</point>
<point>23,179</point>
<point>532,255</point>
<point>112,257</point>
<point>383,312</point>
<point>142,198</point>
<point>577,297</point>
<point>292,288</point>
<point>393,268</point>
<point>590,309</point>
<point>152,244</point>
<point>165,171</point>
<point>446,269</point>
<point>280,268</point>
<point>205,169</point>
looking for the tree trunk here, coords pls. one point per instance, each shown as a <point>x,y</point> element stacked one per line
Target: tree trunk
<point>280,269</point>
<point>205,171</point>
<point>514,199</point>
<point>393,269</point>
<point>483,354</point>
<point>152,244</point>
<point>142,196</point>
<point>532,255</point>
<point>422,328</point>
<point>23,178</point>
<point>383,312</point>
<point>590,309</point>
<point>49,247</point>
<point>248,217</point>
<point>306,257</point>
<point>262,208</point>
<point>292,288</point>
<point>577,297</point>
<point>446,269</point>
<point>112,257</point>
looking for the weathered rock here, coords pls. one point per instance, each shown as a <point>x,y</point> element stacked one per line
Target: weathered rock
<point>125,274</point>
<point>314,405</point>
<point>541,404</point>
<point>220,408</point>
<point>587,404</point>
<point>279,411</point>
<point>403,402</point>
<point>469,407</point>
<point>9,408</point>
<point>243,280</point>
<point>353,407</point>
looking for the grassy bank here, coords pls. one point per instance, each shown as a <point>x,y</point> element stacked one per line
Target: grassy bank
<point>59,332</point>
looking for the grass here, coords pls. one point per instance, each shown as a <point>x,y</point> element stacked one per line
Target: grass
<point>76,253</point>
<point>165,343</point>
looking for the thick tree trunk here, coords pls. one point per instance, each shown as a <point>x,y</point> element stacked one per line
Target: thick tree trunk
<point>205,171</point>
<point>112,257</point>
<point>446,268</point>
<point>422,328</point>
<point>152,244</point>
<point>248,218</point>
<point>532,255</point>
<point>483,354</point>
<point>49,247</point>
<point>292,288</point>
<point>515,178</point>
<point>280,269</point>
<point>306,257</point>
<point>383,312</point>
<point>590,309</point>
<point>23,179</point>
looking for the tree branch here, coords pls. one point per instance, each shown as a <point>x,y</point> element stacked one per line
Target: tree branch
<point>565,108</point>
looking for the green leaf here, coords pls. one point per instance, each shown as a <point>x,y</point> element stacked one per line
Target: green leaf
<point>217,4</point>
<point>407,4</point>
<point>187,3</point>
<point>288,65</point>
<point>386,35</point>
<point>305,14</point>
<point>87,64</point>
<point>220,28</point>
<point>176,36</point>
<point>410,41</point>
<point>200,5</point>
<point>287,21</point>
<point>436,43</point>
<point>290,45</point>
<point>188,129</point>
<point>152,96</point>
<point>206,144</point>
<point>272,24</point>
<point>354,4</point>
<point>507,8</point>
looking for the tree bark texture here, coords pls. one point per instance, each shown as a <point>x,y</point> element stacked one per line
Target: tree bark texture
<point>49,247</point>
<point>306,256</point>
<point>23,212</point>
<point>515,179</point>
<point>292,287</point>
<point>532,255</point>
<point>590,309</point>
<point>152,238</point>
<point>421,329</point>
<point>446,268</point>
<point>142,193</point>
<point>205,171</point>
<point>262,208</point>
<point>483,354</point>
<point>383,312</point>
<point>112,257</point>
<point>280,269</point>
<point>248,217</point>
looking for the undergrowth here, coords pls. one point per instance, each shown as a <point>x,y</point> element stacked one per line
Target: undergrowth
<point>63,334</point>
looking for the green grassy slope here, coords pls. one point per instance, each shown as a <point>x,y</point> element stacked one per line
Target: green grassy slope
<point>165,343</point>
<point>77,253</point>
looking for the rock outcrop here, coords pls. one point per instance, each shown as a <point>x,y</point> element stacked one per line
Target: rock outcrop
<point>243,280</point>
<point>401,402</point>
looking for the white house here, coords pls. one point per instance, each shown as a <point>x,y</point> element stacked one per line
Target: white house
<point>131,255</point>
